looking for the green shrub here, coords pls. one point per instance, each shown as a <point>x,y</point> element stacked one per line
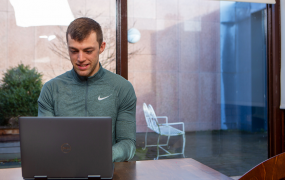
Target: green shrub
<point>20,89</point>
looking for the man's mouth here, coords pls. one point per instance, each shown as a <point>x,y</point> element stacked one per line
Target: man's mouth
<point>82,66</point>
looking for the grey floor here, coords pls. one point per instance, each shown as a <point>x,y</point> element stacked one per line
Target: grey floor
<point>232,153</point>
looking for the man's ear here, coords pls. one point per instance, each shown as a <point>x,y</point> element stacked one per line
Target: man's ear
<point>102,47</point>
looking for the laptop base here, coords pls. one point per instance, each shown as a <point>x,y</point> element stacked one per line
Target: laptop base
<point>40,177</point>
<point>90,177</point>
<point>94,177</point>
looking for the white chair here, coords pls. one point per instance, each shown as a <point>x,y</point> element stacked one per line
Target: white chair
<point>164,129</point>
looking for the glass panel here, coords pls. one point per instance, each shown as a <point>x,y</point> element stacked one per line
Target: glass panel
<point>202,63</point>
<point>35,35</point>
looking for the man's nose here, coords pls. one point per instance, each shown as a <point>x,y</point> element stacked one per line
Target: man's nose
<point>80,57</point>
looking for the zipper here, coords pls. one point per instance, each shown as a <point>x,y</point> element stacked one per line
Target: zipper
<point>86,112</point>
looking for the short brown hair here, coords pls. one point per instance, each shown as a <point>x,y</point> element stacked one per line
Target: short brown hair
<point>81,28</point>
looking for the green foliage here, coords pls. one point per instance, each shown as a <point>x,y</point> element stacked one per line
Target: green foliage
<point>16,160</point>
<point>20,89</point>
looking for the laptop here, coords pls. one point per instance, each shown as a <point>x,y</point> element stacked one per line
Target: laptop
<point>66,147</point>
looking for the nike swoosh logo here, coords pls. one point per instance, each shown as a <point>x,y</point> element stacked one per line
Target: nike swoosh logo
<point>103,97</point>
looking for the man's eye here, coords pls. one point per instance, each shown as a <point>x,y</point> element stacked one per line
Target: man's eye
<point>73,52</point>
<point>88,52</point>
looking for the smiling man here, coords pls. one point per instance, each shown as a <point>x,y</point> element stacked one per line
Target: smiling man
<point>90,90</point>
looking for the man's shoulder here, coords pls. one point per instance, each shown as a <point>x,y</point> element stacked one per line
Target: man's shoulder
<point>117,80</point>
<point>125,90</point>
<point>65,77</point>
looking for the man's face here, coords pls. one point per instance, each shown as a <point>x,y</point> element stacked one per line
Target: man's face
<point>84,55</point>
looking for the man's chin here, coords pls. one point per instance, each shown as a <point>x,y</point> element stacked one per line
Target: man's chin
<point>82,73</point>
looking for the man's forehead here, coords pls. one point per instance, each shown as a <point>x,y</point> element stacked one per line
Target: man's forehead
<point>90,37</point>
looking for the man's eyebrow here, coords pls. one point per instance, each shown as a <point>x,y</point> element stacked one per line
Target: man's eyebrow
<point>70,47</point>
<point>88,48</point>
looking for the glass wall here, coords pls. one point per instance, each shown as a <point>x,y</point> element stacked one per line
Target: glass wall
<point>37,38</point>
<point>202,63</point>
<point>35,35</point>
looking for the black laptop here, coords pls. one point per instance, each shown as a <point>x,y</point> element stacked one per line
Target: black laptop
<point>66,147</point>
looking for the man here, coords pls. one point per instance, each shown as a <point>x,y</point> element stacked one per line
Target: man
<point>90,90</point>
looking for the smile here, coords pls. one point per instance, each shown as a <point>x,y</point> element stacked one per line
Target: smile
<point>83,66</point>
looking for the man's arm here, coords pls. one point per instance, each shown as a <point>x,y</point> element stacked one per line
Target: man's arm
<point>125,146</point>
<point>45,105</point>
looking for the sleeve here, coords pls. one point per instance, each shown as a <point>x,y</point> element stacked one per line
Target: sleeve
<point>125,146</point>
<point>45,101</point>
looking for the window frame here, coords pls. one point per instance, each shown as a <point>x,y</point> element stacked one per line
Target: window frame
<point>275,114</point>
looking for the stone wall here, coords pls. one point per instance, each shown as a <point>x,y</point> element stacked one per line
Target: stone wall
<point>177,69</point>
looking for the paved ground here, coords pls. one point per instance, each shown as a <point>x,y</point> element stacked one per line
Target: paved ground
<point>232,153</point>
<point>10,150</point>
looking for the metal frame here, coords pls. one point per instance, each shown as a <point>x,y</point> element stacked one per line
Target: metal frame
<point>164,129</point>
<point>122,38</point>
<point>275,114</point>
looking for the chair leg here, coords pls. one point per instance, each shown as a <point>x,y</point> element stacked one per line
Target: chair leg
<point>167,142</point>
<point>145,140</point>
<point>183,148</point>
<point>158,147</point>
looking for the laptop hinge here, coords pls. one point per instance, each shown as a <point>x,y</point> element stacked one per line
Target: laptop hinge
<point>94,177</point>
<point>40,177</point>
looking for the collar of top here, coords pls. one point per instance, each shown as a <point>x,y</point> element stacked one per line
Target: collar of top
<point>83,79</point>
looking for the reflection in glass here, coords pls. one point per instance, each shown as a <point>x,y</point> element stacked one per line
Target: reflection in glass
<point>42,12</point>
<point>203,63</point>
<point>38,39</point>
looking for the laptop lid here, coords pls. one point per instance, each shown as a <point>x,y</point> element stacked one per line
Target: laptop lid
<point>66,147</point>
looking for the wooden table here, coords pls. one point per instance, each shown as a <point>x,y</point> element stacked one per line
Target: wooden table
<point>147,170</point>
